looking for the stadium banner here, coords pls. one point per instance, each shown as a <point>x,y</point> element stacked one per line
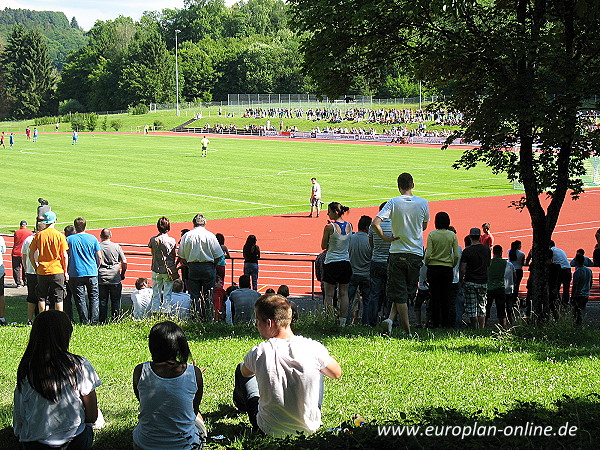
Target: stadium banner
<point>301,134</point>
<point>354,137</point>
<point>271,133</point>
<point>437,140</point>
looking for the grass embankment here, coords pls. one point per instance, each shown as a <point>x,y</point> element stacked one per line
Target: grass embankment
<point>544,377</point>
<point>230,115</point>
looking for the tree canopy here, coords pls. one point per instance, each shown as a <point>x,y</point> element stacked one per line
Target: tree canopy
<point>519,70</point>
<point>61,37</point>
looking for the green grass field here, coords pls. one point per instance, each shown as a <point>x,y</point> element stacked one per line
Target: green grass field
<point>444,378</point>
<point>117,179</point>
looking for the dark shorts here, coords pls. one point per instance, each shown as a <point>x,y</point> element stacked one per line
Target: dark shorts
<point>51,289</point>
<point>2,285</point>
<point>32,296</point>
<point>403,276</point>
<point>337,272</point>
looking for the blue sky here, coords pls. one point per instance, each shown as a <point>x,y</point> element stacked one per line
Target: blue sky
<point>88,11</point>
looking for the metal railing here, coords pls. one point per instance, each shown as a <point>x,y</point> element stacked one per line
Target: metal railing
<point>297,270</point>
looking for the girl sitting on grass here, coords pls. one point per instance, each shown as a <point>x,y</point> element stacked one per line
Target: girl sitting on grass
<point>169,391</point>
<point>55,399</point>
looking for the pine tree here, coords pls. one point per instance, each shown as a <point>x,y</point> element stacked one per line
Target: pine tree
<point>28,75</point>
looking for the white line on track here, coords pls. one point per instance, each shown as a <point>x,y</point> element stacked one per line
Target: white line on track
<point>558,225</point>
<point>193,195</point>
<point>556,232</point>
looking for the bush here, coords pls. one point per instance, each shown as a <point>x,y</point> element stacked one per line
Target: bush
<point>104,124</point>
<point>45,120</point>
<point>138,109</point>
<point>70,106</point>
<point>91,121</point>
<point>116,124</point>
<point>158,124</point>
<point>78,121</point>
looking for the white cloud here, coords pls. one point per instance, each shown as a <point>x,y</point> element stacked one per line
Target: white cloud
<point>88,11</point>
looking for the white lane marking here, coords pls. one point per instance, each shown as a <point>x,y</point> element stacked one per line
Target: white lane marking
<point>193,195</point>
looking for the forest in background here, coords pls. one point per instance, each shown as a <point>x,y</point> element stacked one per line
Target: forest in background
<point>249,47</point>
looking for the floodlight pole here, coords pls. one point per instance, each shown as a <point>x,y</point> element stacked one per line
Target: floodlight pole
<point>176,74</point>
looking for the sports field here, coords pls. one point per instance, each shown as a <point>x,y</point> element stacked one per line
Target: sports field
<point>445,378</point>
<point>119,180</point>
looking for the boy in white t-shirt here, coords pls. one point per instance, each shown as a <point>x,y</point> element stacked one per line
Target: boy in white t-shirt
<point>141,299</point>
<point>280,382</point>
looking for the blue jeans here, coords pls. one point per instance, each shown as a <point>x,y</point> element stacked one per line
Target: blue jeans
<point>202,277</point>
<point>377,297</point>
<point>82,441</point>
<point>251,269</point>
<point>245,395</point>
<point>88,310</point>
<point>359,282</point>
<point>110,292</point>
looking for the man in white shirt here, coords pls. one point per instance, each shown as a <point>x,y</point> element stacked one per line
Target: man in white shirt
<point>204,143</point>
<point>409,215</point>
<point>200,249</point>
<point>279,384</point>
<point>315,197</point>
<point>560,257</point>
<point>30,275</point>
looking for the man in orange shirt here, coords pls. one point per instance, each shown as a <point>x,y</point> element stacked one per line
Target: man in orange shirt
<point>51,264</point>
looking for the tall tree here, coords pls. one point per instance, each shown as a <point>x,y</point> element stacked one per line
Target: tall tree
<point>29,79</point>
<point>520,71</point>
<point>147,71</point>
<point>91,75</point>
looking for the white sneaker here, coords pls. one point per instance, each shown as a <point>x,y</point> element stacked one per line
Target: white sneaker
<point>386,326</point>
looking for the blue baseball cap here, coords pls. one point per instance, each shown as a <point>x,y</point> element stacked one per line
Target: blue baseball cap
<point>49,217</point>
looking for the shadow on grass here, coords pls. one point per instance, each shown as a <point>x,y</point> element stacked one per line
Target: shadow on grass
<point>228,422</point>
<point>567,423</point>
<point>571,422</point>
<point>8,441</point>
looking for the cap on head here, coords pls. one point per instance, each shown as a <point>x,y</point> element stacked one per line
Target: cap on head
<point>49,217</point>
<point>475,232</point>
<point>23,223</point>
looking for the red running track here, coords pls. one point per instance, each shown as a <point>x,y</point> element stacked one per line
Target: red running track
<point>297,233</point>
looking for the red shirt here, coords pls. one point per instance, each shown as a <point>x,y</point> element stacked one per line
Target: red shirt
<point>487,239</point>
<point>19,237</point>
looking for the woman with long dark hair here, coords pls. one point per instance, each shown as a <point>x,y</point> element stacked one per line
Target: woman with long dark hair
<point>220,263</point>
<point>169,390</point>
<point>251,257</point>
<point>55,399</point>
<point>337,270</point>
